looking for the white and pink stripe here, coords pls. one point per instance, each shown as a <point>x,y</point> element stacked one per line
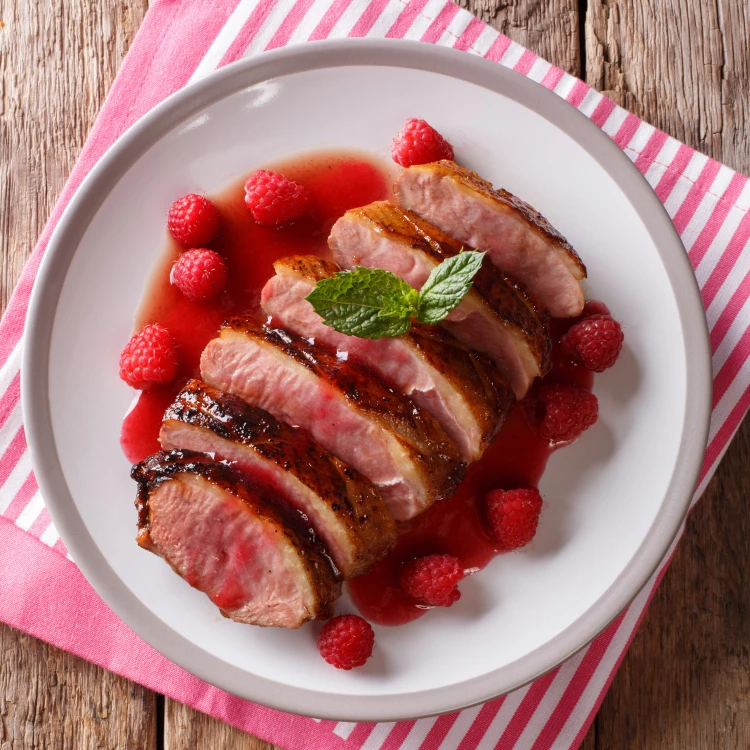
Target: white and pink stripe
<point>708,203</point>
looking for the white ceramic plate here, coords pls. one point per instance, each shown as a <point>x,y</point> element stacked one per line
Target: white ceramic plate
<point>614,501</point>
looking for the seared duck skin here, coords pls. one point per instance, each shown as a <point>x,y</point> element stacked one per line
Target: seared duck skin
<point>497,317</point>
<point>517,238</point>
<point>462,389</point>
<point>344,509</point>
<point>345,407</point>
<point>226,538</point>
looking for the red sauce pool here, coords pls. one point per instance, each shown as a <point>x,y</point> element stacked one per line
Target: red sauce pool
<point>338,181</point>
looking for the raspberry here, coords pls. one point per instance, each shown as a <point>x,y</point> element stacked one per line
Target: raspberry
<point>432,579</point>
<point>346,641</point>
<point>273,199</point>
<point>564,412</point>
<point>419,143</point>
<point>199,274</point>
<point>193,220</point>
<point>513,515</point>
<point>596,342</point>
<point>149,358</point>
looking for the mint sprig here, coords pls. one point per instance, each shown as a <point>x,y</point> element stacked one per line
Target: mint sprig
<point>447,285</point>
<point>372,303</point>
<point>367,302</point>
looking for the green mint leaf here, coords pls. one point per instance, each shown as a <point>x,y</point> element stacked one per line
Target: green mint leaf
<point>367,302</point>
<point>447,285</point>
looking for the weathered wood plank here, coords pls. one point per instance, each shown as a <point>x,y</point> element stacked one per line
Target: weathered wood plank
<point>589,741</point>
<point>50,699</point>
<point>682,65</point>
<point>550,28</point>
<point>186,729</point>
<point>57,61</point>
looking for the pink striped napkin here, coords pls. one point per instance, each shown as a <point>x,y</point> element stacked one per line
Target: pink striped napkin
<point>182,40</point>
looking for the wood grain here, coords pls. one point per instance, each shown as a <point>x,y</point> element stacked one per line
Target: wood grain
<point>549,28</point>
<point>57,62</point>
<point>50,699</point>
<point>682,65</point>
<point>186,729</point>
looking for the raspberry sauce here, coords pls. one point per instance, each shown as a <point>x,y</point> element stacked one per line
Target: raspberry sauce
<point>456,526</point>
<point>338,181</point>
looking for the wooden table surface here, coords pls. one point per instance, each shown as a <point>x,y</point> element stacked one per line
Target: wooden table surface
<point>684,66</point>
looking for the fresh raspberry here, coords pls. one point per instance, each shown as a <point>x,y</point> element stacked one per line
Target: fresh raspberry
<point>419,143</point>
<point>513,515</point>
<point>432,579</point>
<point>149,358</point>
<point>193,220</point>
<point>199,274</point>
<point>564,412</point>
<point>273,199</point>
<point>595,341</point>
<point>346,641</point>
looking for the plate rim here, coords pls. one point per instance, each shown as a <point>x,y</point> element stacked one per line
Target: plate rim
<point>380,53</point>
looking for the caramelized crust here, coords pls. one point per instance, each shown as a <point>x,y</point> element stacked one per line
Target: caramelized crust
<point>351,512</point>
<point>469,371</point>
<point>484,388</point>
<point>164,467</point>
<point>308,266</point>
<point>506,300</point>
<point>503,198</point>
<point>427,445</point>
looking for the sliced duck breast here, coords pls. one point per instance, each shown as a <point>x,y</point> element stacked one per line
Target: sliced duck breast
<point>497,317</point>
<point>462,389</point>
<point>344,406</point>
<point>342,507</point>
<point>226,538</point>
<point>517,238</point>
